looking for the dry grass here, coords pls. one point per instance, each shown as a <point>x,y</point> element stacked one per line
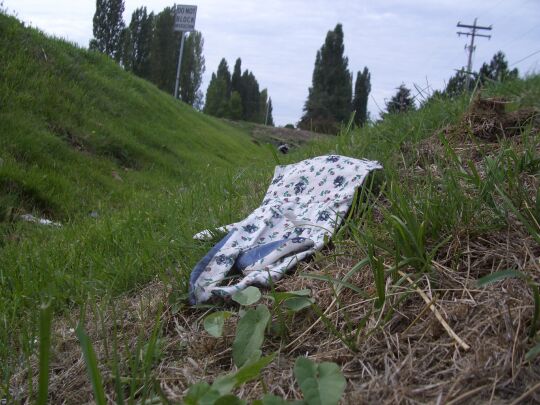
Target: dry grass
<point>408,358</point>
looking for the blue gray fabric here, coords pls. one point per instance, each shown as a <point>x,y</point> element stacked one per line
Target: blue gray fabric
<point>301,210</point>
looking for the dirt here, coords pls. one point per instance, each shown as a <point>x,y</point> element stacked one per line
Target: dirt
<point>488,119</point>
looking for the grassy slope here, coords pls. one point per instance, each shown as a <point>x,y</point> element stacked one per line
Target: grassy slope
<point>79,135</point>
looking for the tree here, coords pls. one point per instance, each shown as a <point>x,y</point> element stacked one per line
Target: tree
<point>164,51</point>
<point>456,85</point>
<point>141,30</point>
<point>108,26</point>
<point>270,120</point>
<point>193,68</point>
<point>125,49</point>
<point>497,69</point>
<point>218,93</point>
<point>237,96</point>
<point>402,101</point>
<point>362,88</point>
<point>329,98</point>
<point>251,101</point>
<point>265,109</point>
<point>236,80</point>
<point>235,106</point>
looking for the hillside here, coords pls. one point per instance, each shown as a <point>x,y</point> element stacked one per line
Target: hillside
<point>128,171</point>
<point>428,293</point>
<point>68,111</point>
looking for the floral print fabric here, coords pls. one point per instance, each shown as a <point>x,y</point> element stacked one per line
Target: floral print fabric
<point>301,210</point>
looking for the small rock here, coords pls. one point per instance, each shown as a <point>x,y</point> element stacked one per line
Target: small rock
<point>94,214</point>
<point>116,176</point>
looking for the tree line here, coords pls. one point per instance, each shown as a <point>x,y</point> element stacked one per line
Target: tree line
<point>237,96</point>
<point>149,47</point>
<point>331,99</point>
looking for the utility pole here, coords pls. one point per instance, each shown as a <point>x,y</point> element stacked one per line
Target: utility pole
<point>472,33</point>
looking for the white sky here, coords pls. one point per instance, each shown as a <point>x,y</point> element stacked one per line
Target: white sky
<point>409,41</point>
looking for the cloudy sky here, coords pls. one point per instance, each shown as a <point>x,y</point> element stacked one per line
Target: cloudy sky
<point>409,41</point>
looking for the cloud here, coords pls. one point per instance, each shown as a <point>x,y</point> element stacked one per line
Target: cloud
<point>411,41</point>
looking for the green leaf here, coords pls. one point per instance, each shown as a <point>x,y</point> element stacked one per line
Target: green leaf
<point>248,296</point>
<point>230,400</point>
<point>250,334</point>
<point>270,399</point>
<point>214,322</point>
<point>91,365</point>
<point>533,353</point>
<point>201,394</point>
<point>280,296</point>
<point>250,371</point>
<point>297,304</point>
<point>499,275</point>
<point>321,384</point>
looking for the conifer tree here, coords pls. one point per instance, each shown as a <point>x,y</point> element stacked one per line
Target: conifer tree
<point>330,96</point>
<point>270,121</point>
<point>218,93</point>
<point>164,51</point>
<point>250,97</point>
<point>193,68</point>
<point>362,88</point>
<point>141,30</point>
<point>497,69</point>
<point>235,106</point>
<point>107,27</point>
<point>237,96</point>
<point>236,80</point>
<point>402,101</point>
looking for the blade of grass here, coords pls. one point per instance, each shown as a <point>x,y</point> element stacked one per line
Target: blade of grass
<point>91,365</point>
<point>45,320</point>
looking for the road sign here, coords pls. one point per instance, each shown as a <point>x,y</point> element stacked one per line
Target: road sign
<point>184,18</point>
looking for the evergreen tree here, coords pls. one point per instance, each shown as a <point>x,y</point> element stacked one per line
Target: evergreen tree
<point>402,101</point>
<point>107,27</point>
<point>235,106</point>
<point>236,81</point>
<point>141,29</point>
<point>250,97</point>
<point>193,68</point>
<point>329,98</point>
<point>270,121</point>
<point>265,109</point>
<point>497,69</point>
<point>237,96</point>
<point>456,85</point>
<point>224,74</point>
<point>218,93</point>
<point>125,48</point>
<point>362,88</point>
<point>164,51</point>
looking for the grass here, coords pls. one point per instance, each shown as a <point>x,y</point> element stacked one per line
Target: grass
<point>129,172</point>
<point>395,301</point>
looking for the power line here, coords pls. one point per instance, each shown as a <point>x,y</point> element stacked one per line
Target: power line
<point>526,57</point>
<point>472,33</point>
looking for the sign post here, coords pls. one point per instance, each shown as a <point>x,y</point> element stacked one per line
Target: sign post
<point>184,21</point>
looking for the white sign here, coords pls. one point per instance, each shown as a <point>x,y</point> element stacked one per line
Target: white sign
<point>184,18</point>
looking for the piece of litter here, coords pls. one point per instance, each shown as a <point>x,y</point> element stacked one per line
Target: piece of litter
<point>303,206</point>
<point>41,221</point>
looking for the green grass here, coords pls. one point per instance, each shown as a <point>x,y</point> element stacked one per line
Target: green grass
<point>78,135</point>
<point>69,118</point>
